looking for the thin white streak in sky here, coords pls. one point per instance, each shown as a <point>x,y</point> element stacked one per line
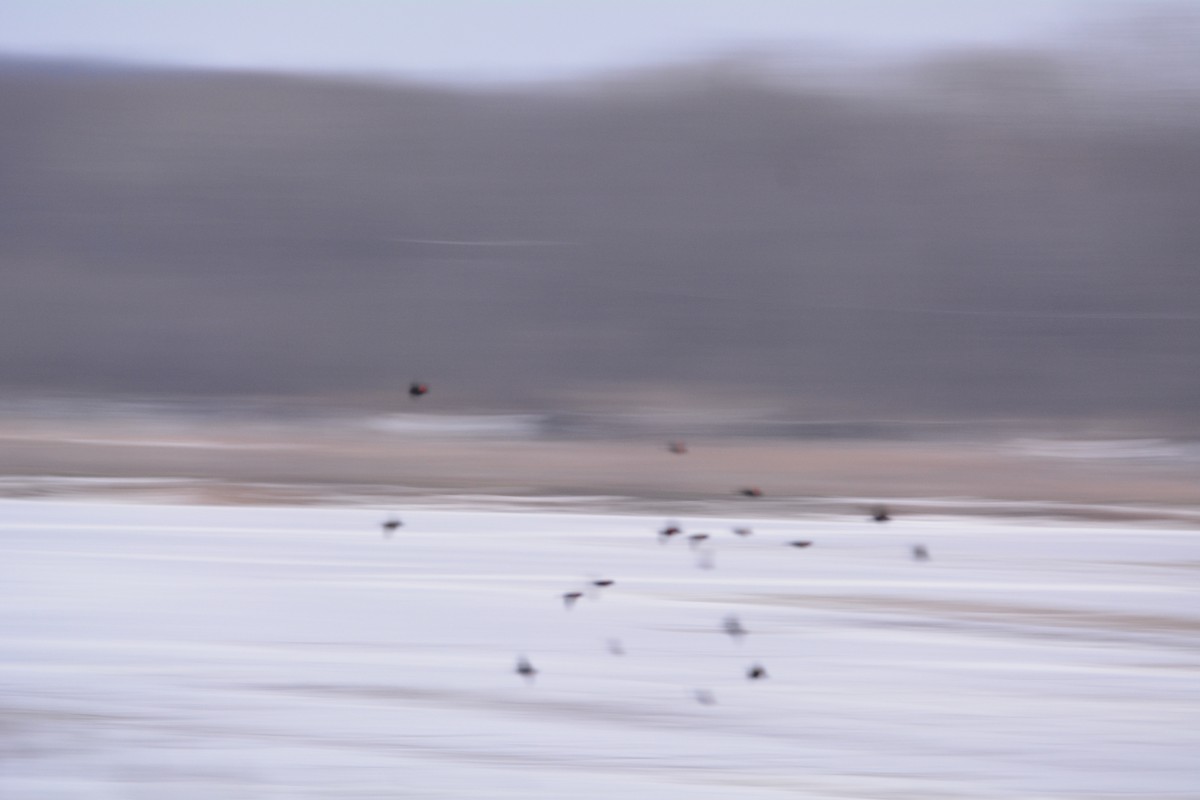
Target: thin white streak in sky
<point>485,242</point>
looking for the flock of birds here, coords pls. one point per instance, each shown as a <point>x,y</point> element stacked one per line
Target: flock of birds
<point>732,626</point>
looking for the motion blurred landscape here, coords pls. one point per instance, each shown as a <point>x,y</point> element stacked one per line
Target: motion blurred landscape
<point>768,242</point>
<point>808,409</point>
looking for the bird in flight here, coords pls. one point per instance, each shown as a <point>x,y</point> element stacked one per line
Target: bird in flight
<point>525,669</point>
<point>733,627</point>
<point>666,533</point>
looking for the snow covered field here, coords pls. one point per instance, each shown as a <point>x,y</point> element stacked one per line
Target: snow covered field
<point>152,652</point>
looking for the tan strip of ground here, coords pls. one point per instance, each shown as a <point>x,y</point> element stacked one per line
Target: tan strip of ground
<point>712,469</point>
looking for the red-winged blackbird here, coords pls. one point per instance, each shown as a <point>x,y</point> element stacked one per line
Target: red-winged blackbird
<point>390,526</point>
<point>678,448</point>
<point>696,538</point>
<point>750,491</point>
<point>669,531</point>
<point>417,389</point>
<point>570,597</point>
<point>756,672</point>
<point>733,626</point>
<point>603,583</point>
<point>743,531</point>
<point>880,514</point>
<point>800,544</point>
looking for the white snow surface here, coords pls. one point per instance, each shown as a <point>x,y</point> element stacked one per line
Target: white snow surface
<point>233,652</point>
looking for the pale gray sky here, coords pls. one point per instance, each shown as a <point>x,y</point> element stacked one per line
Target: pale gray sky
<point>504,39</point>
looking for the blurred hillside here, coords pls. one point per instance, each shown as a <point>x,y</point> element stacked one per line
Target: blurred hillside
<point>974,235</point>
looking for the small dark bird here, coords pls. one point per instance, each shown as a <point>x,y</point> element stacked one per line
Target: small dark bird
<point>880,514</point>
<point>919,553</point>
<point>416,389</point>
<point>733,627</point>
<point>750,491</point>
<point>390,526</point>
<point>525,669</point>
<point>756,672</point>
<point>603,583</point>
<point>678,448</point>
<point>743,531</point>
<point>704,697</point>
<point>800,544</point>
<point>666,533</point>
<point>696,538</point>
<point>570,598</point>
